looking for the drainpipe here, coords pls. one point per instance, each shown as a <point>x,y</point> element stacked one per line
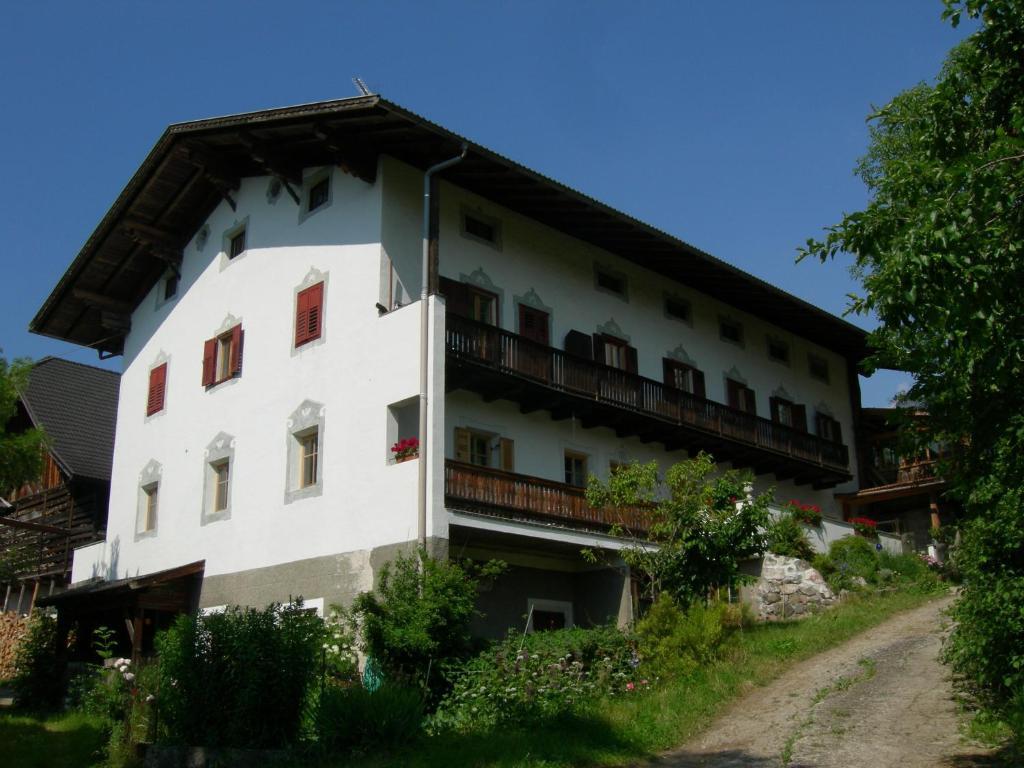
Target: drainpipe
<point>424,344</point>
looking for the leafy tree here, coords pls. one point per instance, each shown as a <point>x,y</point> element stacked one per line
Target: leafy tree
<point>938,250</point>
<point>20,454</point>
<point>704,525</point>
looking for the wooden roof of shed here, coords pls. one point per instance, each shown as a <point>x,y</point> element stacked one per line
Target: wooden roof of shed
<point>194,164</point>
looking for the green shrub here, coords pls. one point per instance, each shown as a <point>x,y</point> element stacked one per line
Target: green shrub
<point>909,571</point>
<point>848,558</point>
<point>240,678</point>
<point>788,537</point>
<point>38,676</point>
<point>673,642</point>
<point>419,616</point>
<point>352,717</point>
<point>538,676</point>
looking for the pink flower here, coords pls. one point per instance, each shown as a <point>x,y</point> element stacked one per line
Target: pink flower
<point>630,686</point>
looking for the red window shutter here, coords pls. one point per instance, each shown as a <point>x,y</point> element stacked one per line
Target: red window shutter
<point>837,431</point>
<point>800,418</point>
<point>632,363</point>
<point>773,408</point>
<point>209,362</point>
<point>457,298</point>
<point>751,401</point>
<point>236,351</point>
<point>157,385</point>
<point>698,384</point>
<point>668,371</point>
<point>599,343</point>
<point>309,314</point>
<point>732,393</point>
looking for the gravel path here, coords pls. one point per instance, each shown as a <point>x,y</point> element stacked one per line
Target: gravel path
<point>881,699</point>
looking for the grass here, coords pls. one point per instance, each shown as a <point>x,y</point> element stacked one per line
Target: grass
<point>71,740</point>
<point>626,730</point>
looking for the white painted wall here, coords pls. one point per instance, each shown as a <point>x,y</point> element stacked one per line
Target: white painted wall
<point>366,362</point>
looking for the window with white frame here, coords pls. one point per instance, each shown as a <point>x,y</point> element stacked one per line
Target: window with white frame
<point>218,479</point>
<point>305,452</point>
<point>147,514</point>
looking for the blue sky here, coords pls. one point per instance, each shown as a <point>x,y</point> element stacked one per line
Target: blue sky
<point>735,126</point>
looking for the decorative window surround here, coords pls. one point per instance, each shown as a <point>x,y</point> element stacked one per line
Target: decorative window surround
<point>170,279</point>
<point>274,189</point>
<point>480,279</point>
<point>607,275</point>
<point>554,606</point>
<point>467,227</point>
<point>611,328</point>
<point>532,300</point>
<point>308,183</point>
<point>226,326</point>
<point>221,448</point>
<point>734,374</point>
<point>312,277</point>
<point>229,234</point>
<point>781,393</point>
<point>680,354</point>
<point>202,236</point>
<point>149,478</point>
<point>305,419</point>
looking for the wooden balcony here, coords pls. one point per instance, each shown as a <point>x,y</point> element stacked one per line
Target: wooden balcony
<point>521,497</point>
<point>499,364</point>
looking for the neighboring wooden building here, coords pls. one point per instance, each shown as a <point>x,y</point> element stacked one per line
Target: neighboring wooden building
<point>66,506</point>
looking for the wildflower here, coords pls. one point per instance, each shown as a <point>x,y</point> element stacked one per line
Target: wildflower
<point>630,686</point>
<point>150,699</point>
<point>129,676</point>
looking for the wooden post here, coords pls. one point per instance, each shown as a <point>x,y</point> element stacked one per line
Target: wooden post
<point>933,505</point>
<point>137,636</point>
<point>35,593</point>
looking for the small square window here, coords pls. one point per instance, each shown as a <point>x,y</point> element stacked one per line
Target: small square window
<point>237,244</point>
<point>778,351</point>
<point>610,282</point>
<point>484,229</point>
<point>319,194</point>
<point>818,368</point>
<point>170,287</point>
<point>731,331</point>
<point>678,309</point>
<point>222,485</point>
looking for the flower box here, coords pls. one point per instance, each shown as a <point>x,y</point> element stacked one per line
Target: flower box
<point>405,449</point>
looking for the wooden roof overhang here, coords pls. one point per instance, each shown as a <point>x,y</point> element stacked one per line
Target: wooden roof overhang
<point>172,590</point>
<point>196,165</point>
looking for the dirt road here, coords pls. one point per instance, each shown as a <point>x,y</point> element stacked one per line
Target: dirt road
<point>881,699</point>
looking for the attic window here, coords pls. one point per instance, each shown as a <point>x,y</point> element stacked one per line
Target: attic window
<point>610,282</point>
<point>778,351</point>
<point>482,228</point>
<point>818,368</point>
<point>730,330</point>
<point>237,244</point>
<point>678,309</point>
<point>319,193</point>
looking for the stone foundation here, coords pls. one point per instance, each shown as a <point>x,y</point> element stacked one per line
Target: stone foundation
<point>790,588</point>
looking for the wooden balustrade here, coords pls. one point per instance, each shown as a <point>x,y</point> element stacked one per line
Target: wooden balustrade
<point>512,354</point>
<point>493,491</point>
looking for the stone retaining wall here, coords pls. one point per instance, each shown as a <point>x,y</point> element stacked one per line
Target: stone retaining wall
<point>789,588</point>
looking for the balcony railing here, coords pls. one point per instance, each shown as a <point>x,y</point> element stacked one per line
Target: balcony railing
<point>509,353</point>
<point>506,494</point>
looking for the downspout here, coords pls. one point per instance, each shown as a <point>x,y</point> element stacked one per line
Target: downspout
<point>424,344</point>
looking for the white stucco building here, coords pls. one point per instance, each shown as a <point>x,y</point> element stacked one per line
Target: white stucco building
<point>260,275</point>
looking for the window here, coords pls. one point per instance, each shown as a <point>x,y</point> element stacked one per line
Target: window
<point>484,449</point>
<point>319,194</point>
<point>575,469</point>
<point>309,314</point>
<point>170,287</point>
<point>309,445</point>
<point>482,228</point>
<point>222,357</point>
<point>484,306</point>
<point>610,282</point>
<point>236,245</point>
<point>685,377</point>
<point>730,330</point>
<point>678,309</point>
<point>829,429</point>
<point>544,615</point>
<point>221,485</point>
<point>150,504</point>
<point>479,449</point>
<point>615,353</point>
<point>534,324</point>
<point>740,396</point>
<point>818,368</point>
<point>157,388</point>
<point>789,414</point>
<point>778,350</point>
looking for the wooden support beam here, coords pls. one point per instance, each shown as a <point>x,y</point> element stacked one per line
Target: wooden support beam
<point>273,161</point>
<point>101,301</point>
<point>214,169</point>
<point>353,156</point>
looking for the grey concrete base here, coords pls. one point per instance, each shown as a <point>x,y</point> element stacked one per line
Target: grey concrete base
<point>335,578</point>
